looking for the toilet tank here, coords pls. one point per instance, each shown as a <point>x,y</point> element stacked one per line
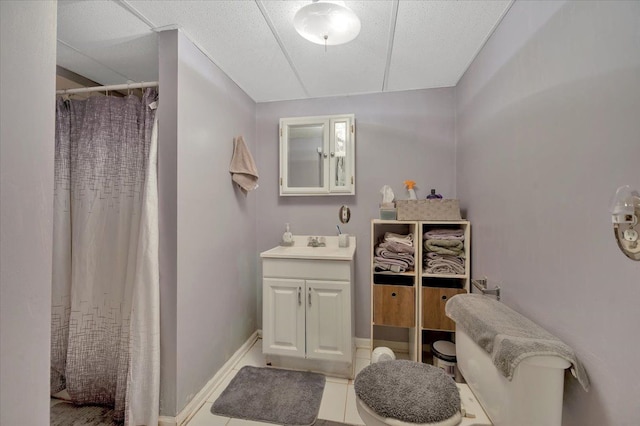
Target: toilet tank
<point>532,397</point>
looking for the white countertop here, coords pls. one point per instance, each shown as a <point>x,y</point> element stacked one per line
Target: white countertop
<point>300,250</point>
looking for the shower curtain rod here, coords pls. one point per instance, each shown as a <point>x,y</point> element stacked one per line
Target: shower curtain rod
<point>111,88</point>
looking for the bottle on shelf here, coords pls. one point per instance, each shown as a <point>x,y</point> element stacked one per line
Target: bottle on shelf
<point>433,195</point>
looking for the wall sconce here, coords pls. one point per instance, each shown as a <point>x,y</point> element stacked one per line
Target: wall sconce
<point>625,211</point>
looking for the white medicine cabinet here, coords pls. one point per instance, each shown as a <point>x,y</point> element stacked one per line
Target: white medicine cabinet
<point>317,155</point>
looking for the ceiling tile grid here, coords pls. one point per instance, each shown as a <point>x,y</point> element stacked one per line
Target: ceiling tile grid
<point>235,35</point>
<point>435,41</point>
<point>104,42</point>
<point>254,42</point>
<point>355,67</point>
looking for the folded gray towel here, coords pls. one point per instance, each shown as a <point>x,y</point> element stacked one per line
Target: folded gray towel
<point>453,250</point>
<point>397,247</point>
<point>405,257</point>
<point>384,266</point>
<point>450,244</point>
<point>436,256</point>
<point>508,336</point>
<point>444,234</point>
<point>444,266</point>
<point>398,262</point>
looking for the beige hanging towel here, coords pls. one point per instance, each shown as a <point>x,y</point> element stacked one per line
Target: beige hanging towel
<point>243,170</point>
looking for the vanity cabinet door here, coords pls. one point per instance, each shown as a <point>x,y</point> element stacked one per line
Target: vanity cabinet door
<point>284,317</point>
<point>328,320</point>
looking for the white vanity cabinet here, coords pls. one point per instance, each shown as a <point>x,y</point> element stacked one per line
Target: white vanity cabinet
<point>308,316</point>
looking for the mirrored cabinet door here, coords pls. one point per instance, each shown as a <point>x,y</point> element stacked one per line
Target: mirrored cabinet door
<point>317,155</point>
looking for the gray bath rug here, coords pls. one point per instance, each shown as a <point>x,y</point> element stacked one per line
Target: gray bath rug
<point>321,422</point>
<point>66,414</point>
<point>284,397</point>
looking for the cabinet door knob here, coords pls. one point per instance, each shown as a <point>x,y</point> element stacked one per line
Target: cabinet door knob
<point>444,297</point>
<point>393,295</point>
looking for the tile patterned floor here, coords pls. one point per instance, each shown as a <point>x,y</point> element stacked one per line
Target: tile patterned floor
<point>338,400</point>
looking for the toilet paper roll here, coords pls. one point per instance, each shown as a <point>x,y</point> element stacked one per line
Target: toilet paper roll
<point>382,353</point>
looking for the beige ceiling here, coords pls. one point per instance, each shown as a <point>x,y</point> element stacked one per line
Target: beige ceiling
<point>403,44</point>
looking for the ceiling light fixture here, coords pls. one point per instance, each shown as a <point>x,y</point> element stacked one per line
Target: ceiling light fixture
<point>327,22</point>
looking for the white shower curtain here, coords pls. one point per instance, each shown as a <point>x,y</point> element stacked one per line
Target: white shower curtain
<point>105,314</point>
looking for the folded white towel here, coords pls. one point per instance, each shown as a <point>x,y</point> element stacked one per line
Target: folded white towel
<point>242,168</point>
<point>398,238</point>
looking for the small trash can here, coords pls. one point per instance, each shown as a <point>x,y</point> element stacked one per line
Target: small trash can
<point>444,356</point>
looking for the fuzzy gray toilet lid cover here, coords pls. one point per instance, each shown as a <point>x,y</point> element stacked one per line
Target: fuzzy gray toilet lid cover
<point>408,391</point>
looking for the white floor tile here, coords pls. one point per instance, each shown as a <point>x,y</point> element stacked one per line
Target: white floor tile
<point>333,402</point>
<point>337,380</point>
<point>361,363</point>
<point>363,353</point>
<point>241,422</point>
<point>472,406</point>
<point>351,415</point>
<point>253,357</point>
<point>204,417</point>
<point>222,386</point>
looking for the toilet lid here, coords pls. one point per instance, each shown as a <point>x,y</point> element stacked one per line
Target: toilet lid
<point>408,391</point>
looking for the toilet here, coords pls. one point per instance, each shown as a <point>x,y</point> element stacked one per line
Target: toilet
<point>533,396</point>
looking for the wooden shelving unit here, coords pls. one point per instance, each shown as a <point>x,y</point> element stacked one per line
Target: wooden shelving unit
<point>412,302</point>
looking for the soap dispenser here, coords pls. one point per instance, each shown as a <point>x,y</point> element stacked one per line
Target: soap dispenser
<point>287,237</point>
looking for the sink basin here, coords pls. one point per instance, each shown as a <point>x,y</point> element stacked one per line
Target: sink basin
<point>300,250</point>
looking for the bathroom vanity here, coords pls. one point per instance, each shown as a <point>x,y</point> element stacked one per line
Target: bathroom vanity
<point>307,311</point>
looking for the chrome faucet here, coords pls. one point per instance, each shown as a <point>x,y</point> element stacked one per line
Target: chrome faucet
<point>316,242</point>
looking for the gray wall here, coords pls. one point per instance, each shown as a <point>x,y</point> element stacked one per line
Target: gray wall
<point>27,84</point>
<point>210,281</point>
<point>548,126</point>
<point>399,136</point>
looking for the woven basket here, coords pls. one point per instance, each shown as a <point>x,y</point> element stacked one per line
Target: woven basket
<point>439,209</point>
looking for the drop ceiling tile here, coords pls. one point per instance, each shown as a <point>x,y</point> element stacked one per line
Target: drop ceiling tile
<point>435,41</point>
<point>87,67</point>
<point>355,67</point>
<point>103,32</point>
<point>97,23</point>
<point>235,35</point>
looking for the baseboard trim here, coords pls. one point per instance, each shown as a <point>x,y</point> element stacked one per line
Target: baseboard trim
<point>363,343</point>
<point>167,421</point>
<point>201,397</point>
<point>401,347</point>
